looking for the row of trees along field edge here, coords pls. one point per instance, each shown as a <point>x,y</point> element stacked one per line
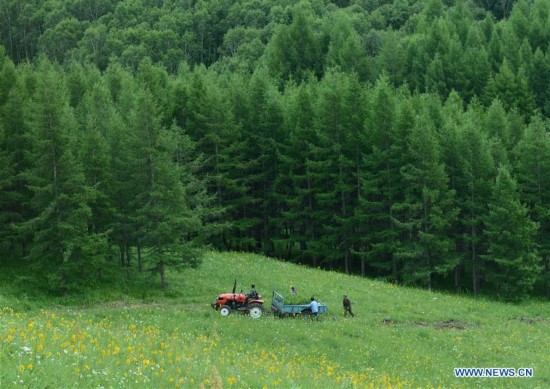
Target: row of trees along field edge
<point>403,140</point>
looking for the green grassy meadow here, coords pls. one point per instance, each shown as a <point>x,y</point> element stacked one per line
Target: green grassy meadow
<point>129,336</point>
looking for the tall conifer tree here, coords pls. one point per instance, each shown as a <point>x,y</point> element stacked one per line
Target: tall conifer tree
<point>380,180</point>
<point>427,211</point>
<point>169,202</point>
<point>333,168</point>
<point>532,156</point>
<point>61,240</point>
<point>513,263</point>
<point>15,159</point>
<point>473,183</point>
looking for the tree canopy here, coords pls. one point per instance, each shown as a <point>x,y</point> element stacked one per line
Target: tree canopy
<point>395,139</point>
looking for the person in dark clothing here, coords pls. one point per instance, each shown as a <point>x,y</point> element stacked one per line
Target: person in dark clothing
<point>347,306</point>
<point>253,293</point>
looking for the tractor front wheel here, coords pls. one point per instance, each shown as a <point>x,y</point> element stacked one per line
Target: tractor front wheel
<point>255,311</point>
<point>225,310</point>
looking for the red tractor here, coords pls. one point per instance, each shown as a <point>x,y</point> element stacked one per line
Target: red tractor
<point>251,303</point>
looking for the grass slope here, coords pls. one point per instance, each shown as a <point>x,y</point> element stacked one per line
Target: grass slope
<point>133,336</point>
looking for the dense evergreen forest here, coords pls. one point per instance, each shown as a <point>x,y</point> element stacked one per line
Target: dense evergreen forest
<point>407,140</point>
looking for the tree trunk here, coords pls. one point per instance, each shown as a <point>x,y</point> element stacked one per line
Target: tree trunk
<point>545,275</point>
<point>474,269</point>
<point>64,282</point>
<point>474,279</point>
<point>346,257</point>
<point>429,276</point>
<point>394,268</point>
<point>128,255</point>
<point>121,256</point>
<point>162,274</point>
<point>457,279</point>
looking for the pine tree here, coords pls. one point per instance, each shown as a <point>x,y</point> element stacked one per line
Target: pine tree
<point>264,135</point>
<point>256,157</point>
<point>294,183</point>
<point>345,49</point>
<point>449,133</point>
<point>427,212</point>
<point>15,159</point>
<point>532,161</point>
<point>333,170</point>
<point>241,200</point>
<point>170,202</point>
<point>540,80</point>
<point>511,89</point>
<point>512,258</point>
<point>475,63</point>
<point>210,123</point>
<point>120,138</point>
<point>294,51</point>
<point>380,180</point>
<point>61,240</point>
<point>473,183</point>
<point>99,122</point>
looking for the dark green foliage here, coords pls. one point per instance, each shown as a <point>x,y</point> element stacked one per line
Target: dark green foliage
<point>533,169</point>
<point>294,186</point>
<point>333,167</point>
<point>511,249</point>
<point>499,8</point>
<point>380,179</point>
<point>475,171</point>
<point>361,136</point>
<point>15,159</point>
<point>512,89</point>
<point>60,196</point>
<point>345,49</point>
<point>294,51</point>
<point>427,212</point>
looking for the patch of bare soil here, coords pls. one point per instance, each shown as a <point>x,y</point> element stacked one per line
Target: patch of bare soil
<point>533,320</point>
<point>451,324</point>
<point>440,325</point>
<point>390,322</point>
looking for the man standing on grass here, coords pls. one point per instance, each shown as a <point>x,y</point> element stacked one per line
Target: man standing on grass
<point>314,308</point>
<point>347,306</point>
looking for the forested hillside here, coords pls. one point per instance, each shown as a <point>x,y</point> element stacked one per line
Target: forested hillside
<point>407,140</point>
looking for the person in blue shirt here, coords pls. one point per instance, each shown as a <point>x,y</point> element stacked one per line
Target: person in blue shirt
<point>314,308</point>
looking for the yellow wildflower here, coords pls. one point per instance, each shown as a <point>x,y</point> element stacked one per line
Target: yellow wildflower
<point>231,380</point>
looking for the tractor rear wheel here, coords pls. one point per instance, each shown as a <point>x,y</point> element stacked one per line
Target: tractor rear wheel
<point>255,311</point>
<point>225,310</point>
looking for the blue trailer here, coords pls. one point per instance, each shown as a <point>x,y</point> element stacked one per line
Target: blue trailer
<point>280,309</point>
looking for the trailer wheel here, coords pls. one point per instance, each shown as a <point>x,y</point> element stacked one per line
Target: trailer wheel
<point>255,312</point>
<point>225,310</point>
<point>306,313</point>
